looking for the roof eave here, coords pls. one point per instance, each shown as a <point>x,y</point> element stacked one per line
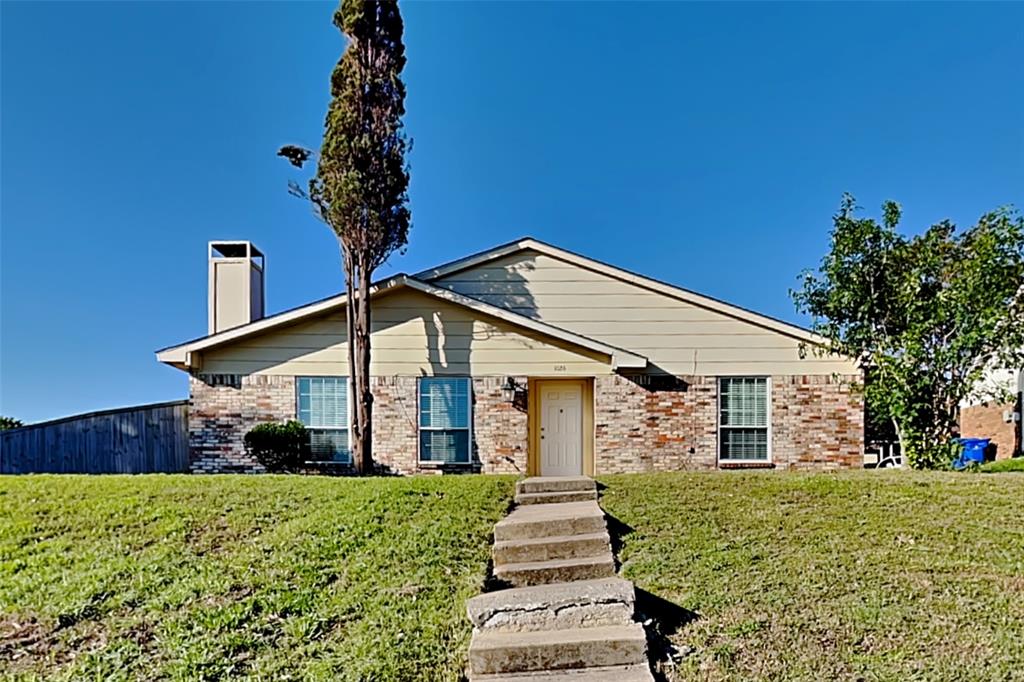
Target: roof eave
<point>173,354</point>
<point>180,356</point>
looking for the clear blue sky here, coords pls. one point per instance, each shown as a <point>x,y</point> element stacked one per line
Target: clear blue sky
<point>704,145</point>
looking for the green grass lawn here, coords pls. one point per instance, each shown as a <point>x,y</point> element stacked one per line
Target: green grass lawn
<point>871,575</point>
<point>267,577</point>
<point>1003,466</point>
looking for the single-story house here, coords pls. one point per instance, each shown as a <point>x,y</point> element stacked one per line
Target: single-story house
<point>525,358</point>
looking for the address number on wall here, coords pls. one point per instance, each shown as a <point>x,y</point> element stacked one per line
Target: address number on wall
<point>559,368</point>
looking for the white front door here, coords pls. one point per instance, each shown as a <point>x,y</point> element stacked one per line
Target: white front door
<point>561,428</point>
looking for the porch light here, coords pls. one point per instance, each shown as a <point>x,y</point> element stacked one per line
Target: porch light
<point>510,390</point>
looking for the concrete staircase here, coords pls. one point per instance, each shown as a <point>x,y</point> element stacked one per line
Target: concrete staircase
<point>566,616</point>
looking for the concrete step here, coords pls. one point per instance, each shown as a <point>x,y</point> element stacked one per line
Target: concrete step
<point>561,496</point>
<point>549,520</point>
<point>585,603</point>
<point>556,570</point>
<point>551,650</point>
<point>618,673</point>
<point>555,484</point>
<point>556,547</point>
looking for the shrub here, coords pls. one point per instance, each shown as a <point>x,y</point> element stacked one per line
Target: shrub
<point>278,447</point>
<point>9,423</point>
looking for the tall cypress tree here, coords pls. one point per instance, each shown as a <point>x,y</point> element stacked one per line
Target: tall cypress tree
<point>361,181</point>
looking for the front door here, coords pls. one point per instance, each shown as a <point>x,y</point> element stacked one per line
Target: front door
<point>561,428</point>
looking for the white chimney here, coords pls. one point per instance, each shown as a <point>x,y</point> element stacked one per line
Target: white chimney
<point>236,285</point>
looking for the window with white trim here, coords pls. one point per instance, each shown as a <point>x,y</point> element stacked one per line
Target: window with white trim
<point>323,408</point>
<point>445,419</point>
<point>743,419</point>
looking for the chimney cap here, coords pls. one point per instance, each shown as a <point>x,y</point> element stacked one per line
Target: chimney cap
<point>234,249</point>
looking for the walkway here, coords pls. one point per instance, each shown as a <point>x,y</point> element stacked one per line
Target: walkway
<point>564,615</point>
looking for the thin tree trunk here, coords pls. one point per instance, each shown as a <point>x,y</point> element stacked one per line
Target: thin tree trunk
<point>363,363</point>
<point>354,428</point>
<point>358,375</point>
<point>899,439</point>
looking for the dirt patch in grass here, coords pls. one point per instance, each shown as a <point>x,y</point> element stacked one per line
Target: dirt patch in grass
<point>216,535</point>
<point>28,646</point>
<point>22,642</point>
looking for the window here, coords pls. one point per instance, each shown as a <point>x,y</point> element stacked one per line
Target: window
<point>323,408</point>
<point>445,418</point>
<point>743,419</point>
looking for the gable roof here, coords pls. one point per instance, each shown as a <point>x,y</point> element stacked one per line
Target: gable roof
<point>180,355</point>
<point>670,290</point>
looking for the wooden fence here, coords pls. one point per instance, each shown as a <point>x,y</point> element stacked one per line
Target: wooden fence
<point>130,440</point>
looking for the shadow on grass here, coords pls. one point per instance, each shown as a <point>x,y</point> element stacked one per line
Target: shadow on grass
<point>491,583</point>
<point>661,618</point>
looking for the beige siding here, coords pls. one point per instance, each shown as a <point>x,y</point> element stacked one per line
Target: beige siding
<point>677,336</point>
<point>413,334</point>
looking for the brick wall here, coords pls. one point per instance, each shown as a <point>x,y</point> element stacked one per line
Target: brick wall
<point>225,407</point>
<point>817,423</point>
<point>395,412</point>
<point>222,410</point>
<point>637,429</point>
<point>500,428</point>
<point>986,421</point>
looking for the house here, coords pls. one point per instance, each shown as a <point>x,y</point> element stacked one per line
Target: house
<point>525,358</point>
<point>985,415</point>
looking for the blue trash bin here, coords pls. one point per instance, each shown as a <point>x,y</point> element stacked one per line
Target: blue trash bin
<point>972,451</point>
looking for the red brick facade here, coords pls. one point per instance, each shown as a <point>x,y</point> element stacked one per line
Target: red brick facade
<point>987,421</point>
<point>817,423</point>
<point>637,429</point>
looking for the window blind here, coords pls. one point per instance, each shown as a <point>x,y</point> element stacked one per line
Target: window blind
<point>743,418</point>
<point>445,407</point>
<point>323,408</point>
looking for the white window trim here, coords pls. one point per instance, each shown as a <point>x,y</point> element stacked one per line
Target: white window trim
<point>718,420</point>
<point>348,417</point>
<point>419,424</point>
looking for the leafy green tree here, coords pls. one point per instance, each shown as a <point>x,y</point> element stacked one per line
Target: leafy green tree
<point>360,186</point>
<point>927,315</point>
<point>9,423</point>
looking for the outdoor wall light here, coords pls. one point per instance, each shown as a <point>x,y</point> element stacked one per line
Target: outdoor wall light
<point>511,390</point>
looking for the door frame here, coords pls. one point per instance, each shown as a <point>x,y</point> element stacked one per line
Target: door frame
<point>533,400</point>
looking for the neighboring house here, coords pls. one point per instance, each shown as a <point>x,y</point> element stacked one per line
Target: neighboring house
<point>524,358</point>
<point>981,416</point>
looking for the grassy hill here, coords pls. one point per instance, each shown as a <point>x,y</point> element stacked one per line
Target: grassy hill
<point>204,578</point>
<point>856,576</point>
<point>862,575</point>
